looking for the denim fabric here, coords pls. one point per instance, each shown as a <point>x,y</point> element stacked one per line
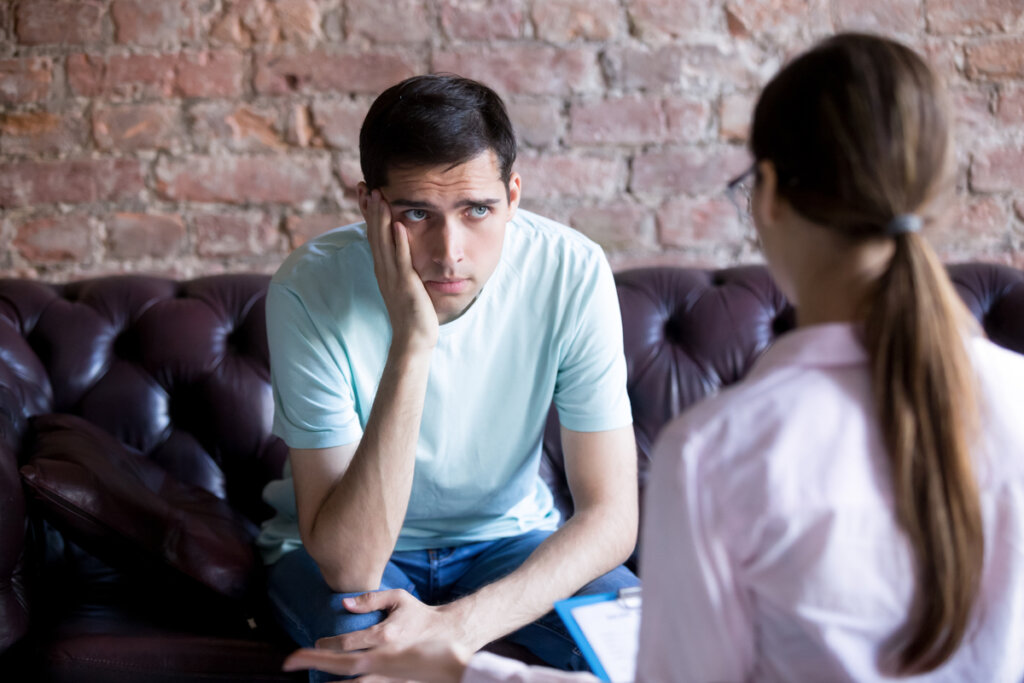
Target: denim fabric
<point>308,609</point>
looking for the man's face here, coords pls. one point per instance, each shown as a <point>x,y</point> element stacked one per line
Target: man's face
<point>455,219</point>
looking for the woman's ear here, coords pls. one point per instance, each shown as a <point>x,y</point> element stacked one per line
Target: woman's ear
<point>764,199</point>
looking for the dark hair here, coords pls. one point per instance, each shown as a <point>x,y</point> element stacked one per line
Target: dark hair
<point>431,120</point>
<point>858,130</point>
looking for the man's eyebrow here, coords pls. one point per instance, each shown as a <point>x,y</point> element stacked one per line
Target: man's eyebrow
<point>416,204</point>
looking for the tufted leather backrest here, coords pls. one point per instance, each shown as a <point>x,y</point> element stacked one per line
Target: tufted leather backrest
<point>179,370</point>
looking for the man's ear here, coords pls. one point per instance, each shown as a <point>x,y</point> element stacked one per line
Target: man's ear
<point>363,196</point>
<point>515,191</point>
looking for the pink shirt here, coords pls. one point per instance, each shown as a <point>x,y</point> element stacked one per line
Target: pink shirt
<point>770,551</point>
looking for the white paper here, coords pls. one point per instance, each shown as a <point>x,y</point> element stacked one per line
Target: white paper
<point>613,631</point>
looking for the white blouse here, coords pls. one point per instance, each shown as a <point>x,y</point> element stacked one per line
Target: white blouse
<point>770,549</point>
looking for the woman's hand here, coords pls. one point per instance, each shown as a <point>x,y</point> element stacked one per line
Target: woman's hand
<point>428,662</point>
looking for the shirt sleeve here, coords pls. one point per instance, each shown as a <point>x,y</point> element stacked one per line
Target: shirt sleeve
<point>590,388</point>
<point>314,405</point>
<point>486,667</point>
<point>697,624</point>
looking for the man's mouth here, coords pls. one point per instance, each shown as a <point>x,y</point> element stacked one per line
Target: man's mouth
<point>452,286</point>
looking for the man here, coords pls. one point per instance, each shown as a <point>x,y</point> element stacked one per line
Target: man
<point>414,358</point>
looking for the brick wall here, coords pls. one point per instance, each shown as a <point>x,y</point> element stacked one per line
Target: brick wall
<point>188,137</point>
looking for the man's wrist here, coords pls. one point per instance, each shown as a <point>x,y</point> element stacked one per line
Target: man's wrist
<point>465,629</point>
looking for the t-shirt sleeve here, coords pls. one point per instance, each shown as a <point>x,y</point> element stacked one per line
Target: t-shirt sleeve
<point>590,389</point>
<point>314,405</point>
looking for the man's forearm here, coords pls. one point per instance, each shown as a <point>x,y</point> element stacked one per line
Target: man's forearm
<point>356,527</point>
<point>589,544</point>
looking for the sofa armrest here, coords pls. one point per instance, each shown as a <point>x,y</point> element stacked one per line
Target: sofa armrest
<point>13,594</point>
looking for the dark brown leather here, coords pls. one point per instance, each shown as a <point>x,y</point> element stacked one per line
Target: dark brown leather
<point>131,512</point>
<point>178,372</point>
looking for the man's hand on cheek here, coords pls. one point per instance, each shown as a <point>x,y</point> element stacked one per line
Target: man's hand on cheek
<point>413,318</point>
<point>408,621</point>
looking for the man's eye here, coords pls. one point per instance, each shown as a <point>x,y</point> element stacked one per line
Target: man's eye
<point>479,211</point>
<point>416,215</point>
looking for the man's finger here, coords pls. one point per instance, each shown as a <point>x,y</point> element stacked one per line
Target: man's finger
<point>374,601</point>
<point>403,253</point>
<point>357,640</point>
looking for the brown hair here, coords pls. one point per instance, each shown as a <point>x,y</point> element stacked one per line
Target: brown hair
<point>858,130</point>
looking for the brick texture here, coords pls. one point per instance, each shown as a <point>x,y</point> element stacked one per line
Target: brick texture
<point>25,80</point>
<point>186,137</point>
<point>43,22</point>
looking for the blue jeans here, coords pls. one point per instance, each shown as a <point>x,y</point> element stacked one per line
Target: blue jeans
<point>308,609</point>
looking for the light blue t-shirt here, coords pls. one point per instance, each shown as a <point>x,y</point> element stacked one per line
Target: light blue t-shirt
<point>546,325</point>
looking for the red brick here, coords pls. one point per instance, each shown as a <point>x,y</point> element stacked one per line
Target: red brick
<point>625,120</point>
<point>702,66</point>
<point>362,73</point>
<point>538,123</point>
<point>782,20</point>
<point>242,179</point>
<point>70,181</point>
<point>891,16</point>
<point>1018,207</point>
<point>122,75</point>
<point>300,127</point>
<point>25,80</point>
<point>55,239</point>
<point>976,221</point>
<point>620,225</point>
<point>130,127</point>
<point>998,169</point>
<point>945,56</point>
<point>1010,110</point>
<point>972,108</point>
<point>688,222</point>
<point>996,59</point>
<point>955,17</point>
<point>689,119</point>
<point>339,123</point>
<point>40,22</point>
<point>258,22</point>
<point>483,20</point>
<point>244,234</point>
<point>41,132</point>
<point>571,176</point>
<point>144,22</point>
<point>692,170</point>
<point>237,127</point>
<point>349,172</point>
<point>301,229</point>
<point>560,21</point>
<point>553,71</point>
<point>210,74</point>
<point>138,235</point>
<point>406,22</point>
<point>655,20</point>
<point>734,116</point>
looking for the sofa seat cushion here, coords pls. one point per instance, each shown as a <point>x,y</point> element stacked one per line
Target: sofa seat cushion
<point>128,511</point>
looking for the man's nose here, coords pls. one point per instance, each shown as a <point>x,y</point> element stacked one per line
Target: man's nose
<point>449,247</point>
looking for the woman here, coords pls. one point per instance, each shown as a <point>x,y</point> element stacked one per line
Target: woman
<point>854,509</point>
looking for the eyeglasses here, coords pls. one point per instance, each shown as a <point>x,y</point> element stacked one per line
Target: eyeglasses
<point>738,191</point>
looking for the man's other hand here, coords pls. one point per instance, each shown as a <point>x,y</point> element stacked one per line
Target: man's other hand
<point>408,621</point>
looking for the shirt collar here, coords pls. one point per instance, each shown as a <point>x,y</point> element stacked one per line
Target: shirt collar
<point>826,345</point>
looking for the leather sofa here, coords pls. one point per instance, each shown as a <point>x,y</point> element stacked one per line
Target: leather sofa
<point>135,441</point>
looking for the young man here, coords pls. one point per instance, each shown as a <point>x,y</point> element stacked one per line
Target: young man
<point>414,358</point>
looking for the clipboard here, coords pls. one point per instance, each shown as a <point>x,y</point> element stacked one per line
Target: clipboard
<point>606,627</point>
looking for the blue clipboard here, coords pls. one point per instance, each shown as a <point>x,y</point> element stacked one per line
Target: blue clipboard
<point>629,597</point>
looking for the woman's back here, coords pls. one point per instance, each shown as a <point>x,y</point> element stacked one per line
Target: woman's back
<point>771,523</point>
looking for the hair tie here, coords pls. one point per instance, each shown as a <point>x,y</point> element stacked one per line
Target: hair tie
<point>902,224</point>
